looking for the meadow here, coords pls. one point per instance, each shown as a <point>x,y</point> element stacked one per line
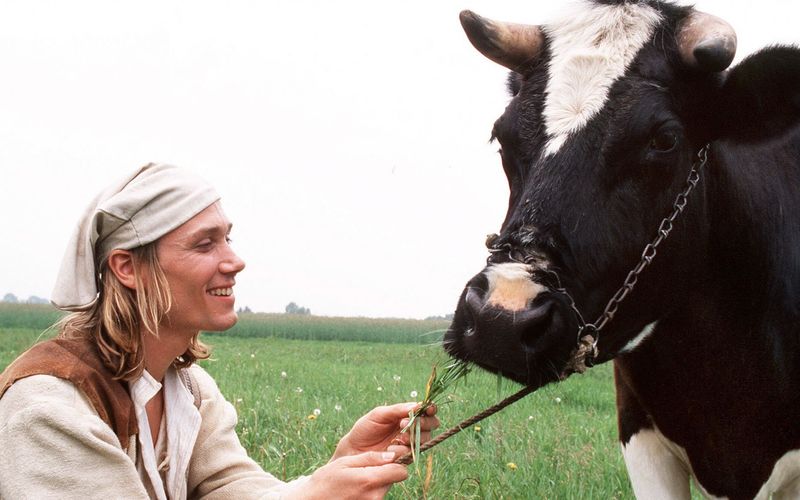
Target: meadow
<point>299,382</point>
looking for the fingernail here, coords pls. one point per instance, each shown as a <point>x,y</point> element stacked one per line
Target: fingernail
<point>387,455</point>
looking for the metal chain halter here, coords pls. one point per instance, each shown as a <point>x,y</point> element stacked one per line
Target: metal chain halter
<point>589,333</point>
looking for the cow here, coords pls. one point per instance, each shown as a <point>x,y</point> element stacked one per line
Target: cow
<point>628,124</point>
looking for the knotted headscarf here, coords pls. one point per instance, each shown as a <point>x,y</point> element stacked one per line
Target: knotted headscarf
<point>138,210</point>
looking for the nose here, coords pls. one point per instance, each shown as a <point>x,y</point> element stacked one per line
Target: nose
<point>231,262</point>
<point>529,327</point>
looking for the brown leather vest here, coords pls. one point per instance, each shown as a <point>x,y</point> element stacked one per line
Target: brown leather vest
<point>78,361</point>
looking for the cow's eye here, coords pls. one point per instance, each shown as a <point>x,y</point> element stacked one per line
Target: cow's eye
<point>664,141</point>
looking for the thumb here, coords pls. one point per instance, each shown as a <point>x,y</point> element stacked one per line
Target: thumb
<point>368,459</point>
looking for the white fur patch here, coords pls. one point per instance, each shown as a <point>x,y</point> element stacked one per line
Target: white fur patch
<point>637,340</point>
<point>784,482</point>
<point>657,467</point>
<point>511,287</point>
<point>660,469</point>
<point>590,48</point>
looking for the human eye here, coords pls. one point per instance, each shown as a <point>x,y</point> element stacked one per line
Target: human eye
<point>204,244</point>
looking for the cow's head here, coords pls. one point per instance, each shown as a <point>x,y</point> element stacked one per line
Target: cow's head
<point>609,107</point>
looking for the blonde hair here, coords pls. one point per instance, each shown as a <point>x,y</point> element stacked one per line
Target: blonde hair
<point>121,317</point>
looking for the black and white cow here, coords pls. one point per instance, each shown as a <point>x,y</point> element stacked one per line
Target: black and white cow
<point>610,106</point>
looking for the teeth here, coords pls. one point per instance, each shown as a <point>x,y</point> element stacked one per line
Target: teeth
<point>221,292</point>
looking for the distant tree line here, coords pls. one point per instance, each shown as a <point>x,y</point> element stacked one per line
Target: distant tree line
<point>10,298</point>
<point>292,308</point>
<point>448,317</point>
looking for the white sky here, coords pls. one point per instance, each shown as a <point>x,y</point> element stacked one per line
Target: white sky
<point>348,139</point>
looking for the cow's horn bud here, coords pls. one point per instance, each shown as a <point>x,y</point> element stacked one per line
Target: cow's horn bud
<point>706,42</point>
<point>511,45</point>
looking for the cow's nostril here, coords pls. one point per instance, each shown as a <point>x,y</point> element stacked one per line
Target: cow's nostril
<point>474,301</point>
<point>533,326</point>
<point>475,305</point>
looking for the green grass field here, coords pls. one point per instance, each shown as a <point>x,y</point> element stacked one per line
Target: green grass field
<point>561,440</point>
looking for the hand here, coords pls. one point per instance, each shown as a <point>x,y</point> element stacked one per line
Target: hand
<point>379,430</point>
<point>364,476</point>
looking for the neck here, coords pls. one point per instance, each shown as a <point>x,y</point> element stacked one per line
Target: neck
<point>160,352</point>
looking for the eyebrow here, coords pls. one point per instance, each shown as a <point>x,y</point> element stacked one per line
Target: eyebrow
<point>208,230</point>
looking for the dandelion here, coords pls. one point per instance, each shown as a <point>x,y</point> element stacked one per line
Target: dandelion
<point>283,375</point>
<point>312,417</point>
<point>558,400</point>
<point>511,466</point>
<point>413,394</point>
<point>338,407</point>
<point>316,412</point>
<point>396,378</point>
<point>298,390</point>
<point>477,428</point>
<point>380,389</point>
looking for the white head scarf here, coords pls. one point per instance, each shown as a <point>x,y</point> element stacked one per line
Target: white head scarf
<point>138,210</point>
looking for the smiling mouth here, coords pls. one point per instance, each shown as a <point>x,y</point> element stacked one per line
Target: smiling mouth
<point>221,292</point>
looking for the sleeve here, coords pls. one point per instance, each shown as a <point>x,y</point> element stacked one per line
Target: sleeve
<point>55,446</point>
<point>220,467</point>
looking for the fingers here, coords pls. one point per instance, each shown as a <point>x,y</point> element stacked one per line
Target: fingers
<point>425,423</point>
<point>368,459</point>
<point>363,476</point>
<point>398,449</point>
<point>379,466</point>
<point>431,410</point>
<point>391,413</point>
<point>397,411</point>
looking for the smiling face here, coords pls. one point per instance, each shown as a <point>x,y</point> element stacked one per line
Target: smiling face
<point>201,267</point>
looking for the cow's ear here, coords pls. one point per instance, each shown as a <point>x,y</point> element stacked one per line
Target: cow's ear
<point>761,95</point>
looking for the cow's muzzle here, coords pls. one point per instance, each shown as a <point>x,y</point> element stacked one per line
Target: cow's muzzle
<point>528,339</point>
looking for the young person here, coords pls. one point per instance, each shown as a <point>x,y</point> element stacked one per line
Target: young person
<point>116,407</point>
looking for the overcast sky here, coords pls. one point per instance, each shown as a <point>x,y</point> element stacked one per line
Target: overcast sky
<point>348,139</point>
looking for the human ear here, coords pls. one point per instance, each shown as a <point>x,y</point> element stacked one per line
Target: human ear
<point>120,262</point>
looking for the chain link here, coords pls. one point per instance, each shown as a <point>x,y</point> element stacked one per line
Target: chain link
<point>649,253</point>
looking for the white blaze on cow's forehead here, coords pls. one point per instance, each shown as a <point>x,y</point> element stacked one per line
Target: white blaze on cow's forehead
<point>511,286</point>
<point>590,49</point>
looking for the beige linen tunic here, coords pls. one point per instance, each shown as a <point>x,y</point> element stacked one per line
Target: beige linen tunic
<point>54,445</point>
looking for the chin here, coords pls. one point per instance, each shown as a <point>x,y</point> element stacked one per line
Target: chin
<point>228,322</point>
